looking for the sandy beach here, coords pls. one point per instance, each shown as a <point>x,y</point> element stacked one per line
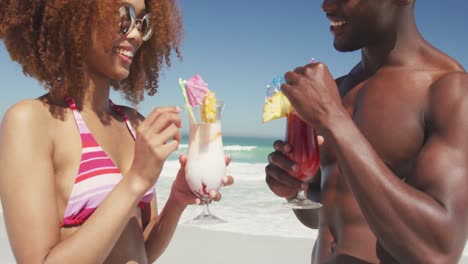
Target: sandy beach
<point>190,245</point>
<point>6,256</point>
<point>194,245</point>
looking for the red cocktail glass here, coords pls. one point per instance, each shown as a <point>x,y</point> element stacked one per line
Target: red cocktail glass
<point>305,154</point>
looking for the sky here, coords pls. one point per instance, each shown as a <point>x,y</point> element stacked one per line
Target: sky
<point>239,46</point>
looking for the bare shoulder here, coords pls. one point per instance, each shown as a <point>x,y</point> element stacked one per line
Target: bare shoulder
<point>27,113</point>
<point>447,108</point>
<point>28,120</point>
<point>448,98</point>
<point>451,81</point>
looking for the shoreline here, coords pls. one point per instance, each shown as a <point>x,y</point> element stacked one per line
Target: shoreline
<point>192,244</point>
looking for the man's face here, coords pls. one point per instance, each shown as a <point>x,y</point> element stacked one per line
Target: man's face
<point>356,24</point>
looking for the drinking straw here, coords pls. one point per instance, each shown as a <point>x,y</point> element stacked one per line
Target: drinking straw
<point>187,105</point>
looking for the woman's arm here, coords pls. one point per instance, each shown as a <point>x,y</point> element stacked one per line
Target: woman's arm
<point>27,191</point>
<point>163,227</point>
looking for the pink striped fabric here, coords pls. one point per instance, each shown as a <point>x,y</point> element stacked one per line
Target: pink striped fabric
<point>97,174</point>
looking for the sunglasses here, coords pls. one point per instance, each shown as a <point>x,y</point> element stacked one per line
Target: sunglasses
<point>128,22</point>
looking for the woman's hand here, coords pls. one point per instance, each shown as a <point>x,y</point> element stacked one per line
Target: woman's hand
<point>156,138</point>
<point>181,191</point>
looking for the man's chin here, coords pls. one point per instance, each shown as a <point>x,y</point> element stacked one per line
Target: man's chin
<point>344,47</point>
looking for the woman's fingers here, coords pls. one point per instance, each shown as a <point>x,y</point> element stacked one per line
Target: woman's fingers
<point>320,140</point>
<point>215,195</point>
<point>228,180</point>
<point>159,111</point>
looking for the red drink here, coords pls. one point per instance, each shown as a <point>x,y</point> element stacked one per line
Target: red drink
<point>305,150</point>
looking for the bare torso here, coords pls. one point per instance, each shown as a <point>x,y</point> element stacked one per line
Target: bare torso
<point>130,247</point>
<point>390,110</point>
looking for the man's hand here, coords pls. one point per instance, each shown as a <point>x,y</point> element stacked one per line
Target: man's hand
<point>279,170</point>
<point>313,93</point>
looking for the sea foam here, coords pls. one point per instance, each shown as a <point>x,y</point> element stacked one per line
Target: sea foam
<point>248,205</point>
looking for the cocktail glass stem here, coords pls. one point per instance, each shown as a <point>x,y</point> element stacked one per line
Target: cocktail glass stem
<point>206,217</point>
<point>206,209</point>
<point>301,202</point>
<point>206,164</point>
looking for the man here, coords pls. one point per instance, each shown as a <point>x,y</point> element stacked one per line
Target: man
<point>394,161</point>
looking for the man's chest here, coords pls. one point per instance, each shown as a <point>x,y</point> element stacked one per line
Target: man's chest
<point>390,114</point>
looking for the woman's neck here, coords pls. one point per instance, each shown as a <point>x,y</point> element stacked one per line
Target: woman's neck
<point>95,97</point>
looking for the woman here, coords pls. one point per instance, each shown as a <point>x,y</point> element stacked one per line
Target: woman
<point>76,171</point>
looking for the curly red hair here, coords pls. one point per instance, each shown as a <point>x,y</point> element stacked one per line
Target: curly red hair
<point>50,38</point>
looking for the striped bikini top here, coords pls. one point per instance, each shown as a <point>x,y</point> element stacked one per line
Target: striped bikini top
<point>97,174</point>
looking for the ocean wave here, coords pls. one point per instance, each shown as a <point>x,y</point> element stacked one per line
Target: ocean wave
<point>183,146</point>
<point>239,148</point>
<point>227,148</point>
<point>281,223</point>
<point>241,171</point>
<point>248,207</point>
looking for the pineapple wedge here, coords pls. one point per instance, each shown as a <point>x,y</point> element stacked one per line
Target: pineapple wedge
<point>275,107</point>
<point>208,108</point>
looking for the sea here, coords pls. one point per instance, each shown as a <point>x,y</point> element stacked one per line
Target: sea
<point>248,206</point>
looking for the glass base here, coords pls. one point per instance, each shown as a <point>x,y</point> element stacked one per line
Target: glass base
<point>300,202</point>
<point>206,219</point>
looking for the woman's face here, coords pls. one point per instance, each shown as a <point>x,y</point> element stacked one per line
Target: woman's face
<point>112,60</point>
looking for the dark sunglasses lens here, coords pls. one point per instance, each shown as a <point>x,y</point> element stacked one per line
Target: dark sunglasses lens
<point>127,21</point>
<point>146,28</point>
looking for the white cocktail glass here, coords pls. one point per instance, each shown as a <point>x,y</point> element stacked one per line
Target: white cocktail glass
<point>206,166</point>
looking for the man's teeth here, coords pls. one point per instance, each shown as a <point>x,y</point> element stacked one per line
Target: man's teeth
<point>125,52</point>
<point>338,23</point>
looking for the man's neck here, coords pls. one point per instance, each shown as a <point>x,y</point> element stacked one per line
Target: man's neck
<point>397,49</point>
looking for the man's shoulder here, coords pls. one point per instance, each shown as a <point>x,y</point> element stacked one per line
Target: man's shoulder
<point>449,83</point>
<point>448,97</point>
<point>348,81</point>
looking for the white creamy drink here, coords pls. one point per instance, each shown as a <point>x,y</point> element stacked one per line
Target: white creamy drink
<point>206,166</point>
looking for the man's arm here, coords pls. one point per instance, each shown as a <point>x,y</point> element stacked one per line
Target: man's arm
<point>430,211</point>
<point>284,185</point>
<point>160,231</point>
<point>310,218</point>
